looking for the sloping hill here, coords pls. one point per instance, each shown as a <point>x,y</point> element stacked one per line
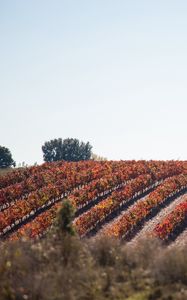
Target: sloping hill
<point>125,199</point>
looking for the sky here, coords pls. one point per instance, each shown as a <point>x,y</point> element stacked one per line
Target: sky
<point>111,72</point>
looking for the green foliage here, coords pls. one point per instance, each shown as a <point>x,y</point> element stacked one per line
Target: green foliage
<point>74,150</point>
<point>6,158</point>
<point>68,149</point>
<point>65,218</point>
<point>52,150</point>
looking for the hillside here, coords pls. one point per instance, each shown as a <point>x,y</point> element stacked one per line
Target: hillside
<point>123,199</point>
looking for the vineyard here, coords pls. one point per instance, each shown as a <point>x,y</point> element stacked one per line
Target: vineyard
<point>123,199</point>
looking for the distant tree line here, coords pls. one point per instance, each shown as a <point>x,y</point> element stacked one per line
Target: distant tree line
<point>69,149</point>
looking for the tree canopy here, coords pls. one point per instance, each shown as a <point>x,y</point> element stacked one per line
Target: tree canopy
<point>6,159</point>
<point>68,149</point>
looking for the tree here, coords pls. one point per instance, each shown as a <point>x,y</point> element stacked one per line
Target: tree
<point>6,158</point>
<point>73,150</point>
<point>65,218</point>
<point>69,150</point>
<point>52,150</point>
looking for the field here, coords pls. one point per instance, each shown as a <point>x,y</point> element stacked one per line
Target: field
<point>128,200</point>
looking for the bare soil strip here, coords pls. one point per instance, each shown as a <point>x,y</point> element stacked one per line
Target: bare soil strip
<point>150,221</point>
<point>149,226</point>
<point>181,240</point>
<point>108,224</point>
<point>115,213</point>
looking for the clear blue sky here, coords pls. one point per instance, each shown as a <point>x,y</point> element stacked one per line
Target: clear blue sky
<point>112,72</point>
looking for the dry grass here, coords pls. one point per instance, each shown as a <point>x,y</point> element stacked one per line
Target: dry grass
<point>5,171</point>
<point>64,267</point>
